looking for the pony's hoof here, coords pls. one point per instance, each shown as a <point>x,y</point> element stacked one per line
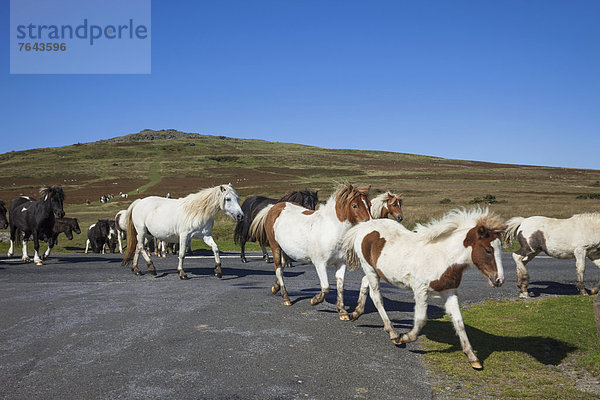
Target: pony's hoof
<point>344,317</point>
<point>476,365</point>
<point>244,260</point>
<point>183,277</point>
<point>398,341</point>
<point>164,256</point>
<point>524,295</point>
<point>152,272</point>
<point>287,303</point>
<point>594,291</point>
<point>218,275</point>
<point>138,273</point>
<point>44,257</point>
<point>275,289</point>
<point>26,259</point>
<point>39,263</point>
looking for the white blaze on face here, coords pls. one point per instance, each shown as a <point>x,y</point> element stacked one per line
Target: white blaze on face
<point>368,209</point>
<point>497,246</point>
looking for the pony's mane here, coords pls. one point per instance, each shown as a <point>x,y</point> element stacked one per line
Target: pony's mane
<point>378,202</point>
<point>459,219</point>
<point>347,192</point>
<point>51,191</point>
<point>205,203</point>
<point>298,194</point>
<point>592,216</point>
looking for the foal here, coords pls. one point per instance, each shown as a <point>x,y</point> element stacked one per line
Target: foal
<point>430,259</point>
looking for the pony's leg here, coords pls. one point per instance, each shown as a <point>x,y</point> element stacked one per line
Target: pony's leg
<point>279,284</point>
<point>362,299</point>
<point>25,256</point>
<point>36,247</point>
<point>243,253</point>
<point>322,273</point>
<point>208,239</point>
<point>375,292</point>
<point>265,252</point>
<point>183,242</point>
<point>580,264</point>
<point>339,279</point>
<point>13,238</point>
<point>119,239</point>
<point>87,246</point>
<point>419,316</point>
<point>522,275</point>
<point>140,249</point>
<point>595,257</point>
<point>453,310</point>
<point>49,250</point>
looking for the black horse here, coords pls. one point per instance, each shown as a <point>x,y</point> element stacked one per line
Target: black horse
<point>35,218</point>
<point>3,220</point>
<point>252,206</point>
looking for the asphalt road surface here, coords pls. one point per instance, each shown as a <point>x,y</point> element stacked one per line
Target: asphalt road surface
<point>83,327</point>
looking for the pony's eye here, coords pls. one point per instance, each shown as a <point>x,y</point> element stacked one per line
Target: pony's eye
<point>489,250</point>
<point>228,199</point>
<point>354,205</point>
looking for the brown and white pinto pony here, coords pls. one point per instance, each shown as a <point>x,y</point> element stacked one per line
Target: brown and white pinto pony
<point>431,259</point>
<point>387,205</point>
<point>313,236</point>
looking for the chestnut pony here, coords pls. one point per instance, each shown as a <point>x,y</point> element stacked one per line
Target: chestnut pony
<point>313,236</point>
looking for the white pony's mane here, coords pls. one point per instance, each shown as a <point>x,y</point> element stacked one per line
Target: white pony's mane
<point>456,220</point>
<point>378,202</point>
<point>205,203</point>
<point>591,216</point>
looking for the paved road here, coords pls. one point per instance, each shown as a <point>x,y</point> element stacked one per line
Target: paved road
<point>84,327</point>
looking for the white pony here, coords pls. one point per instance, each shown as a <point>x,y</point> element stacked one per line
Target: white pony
<point>576,237</point>
<point>176,220</point>
<point>432,258</point>
<point>313,236</point>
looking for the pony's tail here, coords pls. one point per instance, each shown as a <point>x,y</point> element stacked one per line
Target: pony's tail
<point>239,230</point>
<point>512,226</point>
<point>352,260</point>
<point>131,236</point>
<point>18,233</point>
<point>257,228</point>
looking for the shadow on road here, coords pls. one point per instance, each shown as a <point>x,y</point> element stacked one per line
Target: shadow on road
<point>549,287</point>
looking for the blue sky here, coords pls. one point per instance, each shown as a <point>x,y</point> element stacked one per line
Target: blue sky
<point>504,81</point>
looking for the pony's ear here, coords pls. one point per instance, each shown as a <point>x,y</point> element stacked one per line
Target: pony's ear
<point>222,188</point>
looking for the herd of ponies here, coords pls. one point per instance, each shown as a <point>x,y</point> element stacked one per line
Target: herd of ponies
<point>350,230</point>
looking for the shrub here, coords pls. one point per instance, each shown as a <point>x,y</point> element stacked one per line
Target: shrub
<point>445,201</point>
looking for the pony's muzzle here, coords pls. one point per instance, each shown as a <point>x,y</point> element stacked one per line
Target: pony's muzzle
<point>239,217</point>
<point>496,281</point>
<point>60,214</point>
<point>399,218</point>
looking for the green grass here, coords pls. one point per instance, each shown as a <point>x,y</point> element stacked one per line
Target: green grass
<point>521,345</point>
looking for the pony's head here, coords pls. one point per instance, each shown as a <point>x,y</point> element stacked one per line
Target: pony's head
<point>74,224</point>
<point>56,197</point>
<point>352,203</point>
<point>388,205</point>
<point>3,220</point>
<point>486,248</point>
<point>103,227</point>
<point>229,202</point>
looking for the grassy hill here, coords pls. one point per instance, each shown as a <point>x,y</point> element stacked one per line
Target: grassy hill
<point>168,161</point>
